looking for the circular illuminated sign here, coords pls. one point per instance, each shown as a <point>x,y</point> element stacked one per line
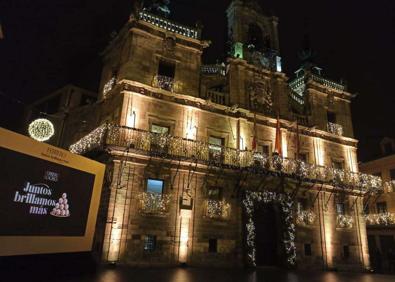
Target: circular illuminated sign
<point>41,129</point>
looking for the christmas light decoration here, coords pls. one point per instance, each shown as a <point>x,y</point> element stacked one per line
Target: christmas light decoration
<point>155,204</point>
<point>380,219</point>
<point>344,221</point>
<point>285,201</point>
<point>108,86</point>
<point>41,129</point>
<point>306,217</point>
<point>217,209</point>
<point>177,147</point>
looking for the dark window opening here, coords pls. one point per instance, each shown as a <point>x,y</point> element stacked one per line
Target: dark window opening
<point>346,252</point>
<point>255,37</point>
<point>392,174</point>
<point>307,250</point>
<point>264,149</point>
<point>388,149</point>
<point>337,164</point>
<point>212,245</point>
<point>214,193</point>
<point>167,69</point>
<point>304,157</point>
<point>331,117</point>
<point>149,243</point>
<point>381,207</point>
<point>340,208</point>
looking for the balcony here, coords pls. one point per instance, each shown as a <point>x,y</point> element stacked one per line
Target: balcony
<point>153,204</point>
<point>218,97</point>
<point>335,128</point>
<point>217,69</point>
<point>382,219</point>
<point>168,25</point>
<point>172,147</point>
<point>215,209</point>
<point>344,221</point>
<point>164,82</point>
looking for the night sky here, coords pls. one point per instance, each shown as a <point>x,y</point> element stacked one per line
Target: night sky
<point>49,43</point>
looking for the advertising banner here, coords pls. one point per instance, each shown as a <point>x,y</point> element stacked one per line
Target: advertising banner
<point>49,197</point>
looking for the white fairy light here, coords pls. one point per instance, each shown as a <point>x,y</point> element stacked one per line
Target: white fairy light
<point>41,129</point>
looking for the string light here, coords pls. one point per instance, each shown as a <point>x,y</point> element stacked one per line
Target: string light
<point>218,209</point>
<point>168,146</point>
<point>285,201</point>
<point>344,221</point>
<point>380,219</point>
<point>41,129</point>
<point>152,203</point>
<point>306,217</point>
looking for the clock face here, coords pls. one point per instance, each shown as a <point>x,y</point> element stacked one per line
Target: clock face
<point>41,129</point>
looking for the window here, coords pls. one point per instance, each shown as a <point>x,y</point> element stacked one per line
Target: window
<point>331,117</point>
<point>337,164</point>
<point>346,251</point>
<point>377,174</point>
<point>155,128</point>
<point>212,245</point>
<point>381,207</point>
<point>167,69</point>
<point>264,149</point>
<point>388,148</point>
<point>307,250</point>
<point>340,208</point>
<point>301,204</point>
<point>149,243</point>
<point>215,146</point>
<point>304,157</point>
<point>154,186</point>
<point>392,174</point>
<point>214,193</point>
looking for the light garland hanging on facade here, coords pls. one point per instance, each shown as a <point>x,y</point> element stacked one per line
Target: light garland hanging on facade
<point>344,221</point>
<point>155,204</point>
<point>41,129</point>
<point>217,209</point>
<point>306,217</point>
<point>177,147</point>
<point>255,198</point>
<point>380,219</point>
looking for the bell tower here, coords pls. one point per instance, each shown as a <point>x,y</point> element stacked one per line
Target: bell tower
<point>250,29</point>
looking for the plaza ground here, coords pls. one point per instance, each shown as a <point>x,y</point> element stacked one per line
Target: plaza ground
<point>44,272</point>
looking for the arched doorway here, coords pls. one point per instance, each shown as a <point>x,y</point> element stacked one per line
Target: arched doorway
<point>267,235</point>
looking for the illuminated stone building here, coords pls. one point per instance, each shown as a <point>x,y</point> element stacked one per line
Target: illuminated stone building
<point>380,209</point>
<point>223,165</point>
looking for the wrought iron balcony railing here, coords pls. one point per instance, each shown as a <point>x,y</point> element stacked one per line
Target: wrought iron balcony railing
<point>217,209</point>
<point>380,219</point>
<point>164,82</point>
<point>335,128</point>
<point>180,148</point>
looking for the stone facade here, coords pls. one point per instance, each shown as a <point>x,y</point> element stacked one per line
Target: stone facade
<point>380,210</point>
<point>206,134</point>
